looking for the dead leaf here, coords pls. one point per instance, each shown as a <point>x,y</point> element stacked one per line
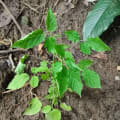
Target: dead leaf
<point>5,19</point>
<point>100,55</point>
<point>40,46</point>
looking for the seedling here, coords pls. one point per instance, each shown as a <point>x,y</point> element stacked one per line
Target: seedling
<point>63,72</point>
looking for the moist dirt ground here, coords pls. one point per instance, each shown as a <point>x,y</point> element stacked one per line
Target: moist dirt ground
<point>95,104</point>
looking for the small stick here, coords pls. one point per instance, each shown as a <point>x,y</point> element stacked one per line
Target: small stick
<point>31,7</point>
<point>12,51</point>
<point>11,25</point>
<point>10,58</point>
<point>12,63</point>
<point>18,26</point>
<point>56,3</point>
<point>9,91</point>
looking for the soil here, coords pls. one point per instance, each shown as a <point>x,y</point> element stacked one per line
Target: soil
<point>95,104</point>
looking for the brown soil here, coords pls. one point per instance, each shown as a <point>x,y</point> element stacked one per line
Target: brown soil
<point>95,104</point>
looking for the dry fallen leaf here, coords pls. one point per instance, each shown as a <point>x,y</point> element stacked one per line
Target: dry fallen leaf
<point>40,46</point>
<point>100,55</point>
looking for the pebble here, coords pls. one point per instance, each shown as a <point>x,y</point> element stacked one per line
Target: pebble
<point>117,77</point>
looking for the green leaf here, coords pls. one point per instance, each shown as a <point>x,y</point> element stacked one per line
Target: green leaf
<point>60,49</point>
<point>22,60</point>
<point>46,109</point>
<point>45,76</point>
<point>70,64</point>
<point>51,22</point>
<point>18,81</point>
<point>43,68</point>
<point>31,40</point>
<point>84,48</point>
<point>75,82</point>
<point>69,56</point>
<point>63,79</point>
<point>99,19</point>
<point>83,64</point>
<point>72,35</point>
<point>34,81</point>
<point>21,66</point>
<point>74,77</point>
<point>65,107</point>
<point>56,67</point>
<point>55,114</point>
<point>97,44</point>
<point>34,107</point>
<point>91,78</point>
<point>50,44</point>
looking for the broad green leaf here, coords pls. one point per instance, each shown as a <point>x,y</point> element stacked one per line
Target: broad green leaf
<point>21,66</point>
<point>34,107</point>
<point>43,68</point>
<point>70,64</point>
<point>99,19</point>
<point>65,107</point>
<point>74,77</point>
<point>45,76</point>
<point>31,40</point>
<point>91,78</point>
<point>63,79</point>
<point>56,67</point>
<point>69,56</point>
<point>75,82</point>
<point>18,81</point>
<point>34,81</point>
<point>72,35</point>
<point>50,44</point>
<point>55,114</point>
<point>83,64</point>
<point>51,22</point>
<point>60,49</point>
<point>84,48</point>
<point>46,109</point>
<point>97,44</point>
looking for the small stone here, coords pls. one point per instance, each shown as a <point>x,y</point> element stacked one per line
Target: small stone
<point>117,77</point>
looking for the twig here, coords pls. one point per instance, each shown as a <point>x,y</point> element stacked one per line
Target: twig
<point>10,58</point>
<point>9,91</point>
<point>56,3</point>
<point>12,51</point>
<point>12,63</point>
<point>11,25</point>
<point>1,57</point>
<point>42,18</point>
<point>31,7</point>
<point>13,18</point>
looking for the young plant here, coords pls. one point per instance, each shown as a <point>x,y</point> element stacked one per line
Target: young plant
<point>63,72</point>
